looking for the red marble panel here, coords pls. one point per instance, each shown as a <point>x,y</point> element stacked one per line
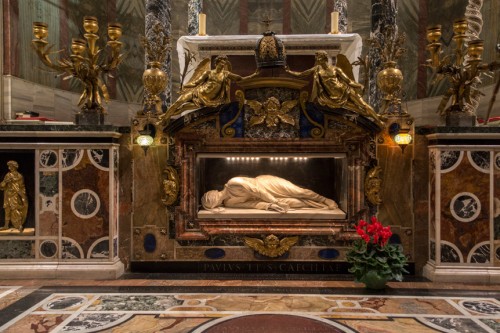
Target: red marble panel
<point>276,323</point>
<point>465,178</point>
<point>496,198</point>
<point>10,31</point>
<point>243,17</point>
<point>48,224</point>
<point>287,25</point>
<point>85,176</point>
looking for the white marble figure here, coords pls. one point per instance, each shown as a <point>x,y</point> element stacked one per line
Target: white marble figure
<point>265,192</point>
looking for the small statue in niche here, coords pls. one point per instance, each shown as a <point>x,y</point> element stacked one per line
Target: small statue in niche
<point>265,192</point>
<point>334,89</point>
<point>206,88</point>
<point>15,201</point>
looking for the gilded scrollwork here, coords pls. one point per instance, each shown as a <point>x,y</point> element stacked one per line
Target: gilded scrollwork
<point>170,185</point>
<point>271,112</point>
<point>227,130</point>
<point>271,246</point>
<point>373,185</point>
<point>319,130</point>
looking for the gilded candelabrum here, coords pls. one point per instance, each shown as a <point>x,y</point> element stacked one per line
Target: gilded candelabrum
<point>390,78</point>
<point>155,80</point>
<point>85,63</point>
<point>462,69</point>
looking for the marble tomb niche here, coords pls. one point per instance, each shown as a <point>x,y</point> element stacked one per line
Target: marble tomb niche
<point>326,150</point>
<point>322,173</point>
<point>269,123</point>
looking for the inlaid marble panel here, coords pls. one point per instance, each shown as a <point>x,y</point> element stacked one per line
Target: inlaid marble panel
<point>144,309</point>
<point>85,197</point>
<point>17,249</point>
<point>464,199</point>
<point>496,195</point>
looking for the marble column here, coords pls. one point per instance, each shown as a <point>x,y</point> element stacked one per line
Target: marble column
<point>341,7</point>
<point>160,11</point>
<point>2,117</point>
<point>194,8</point>
<point>475,18</point>
<point>383,15</point>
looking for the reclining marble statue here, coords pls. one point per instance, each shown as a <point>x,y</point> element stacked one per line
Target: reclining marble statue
<point>265,192</point>
<point>334,89</point>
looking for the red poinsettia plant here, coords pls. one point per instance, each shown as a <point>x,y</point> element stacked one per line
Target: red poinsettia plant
<point>373,256</point>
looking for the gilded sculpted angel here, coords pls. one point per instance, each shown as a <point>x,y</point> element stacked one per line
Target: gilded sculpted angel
<point>333,88</point>
<point>15,201</point>
<point>206,88</point>
<point>271,246</point>
<point>265,192</point>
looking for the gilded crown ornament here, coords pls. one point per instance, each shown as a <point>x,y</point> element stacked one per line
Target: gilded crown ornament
<point>85,64</point>
<point>270,51</point>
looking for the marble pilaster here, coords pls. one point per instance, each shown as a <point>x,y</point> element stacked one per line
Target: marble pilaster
<point>194,8</point>
<point>383,14</point>
<point>341,7</point>
<point>159,11</point>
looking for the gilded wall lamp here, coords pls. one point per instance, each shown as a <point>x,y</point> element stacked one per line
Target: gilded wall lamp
<point>144,136</point>
<point>400,132</point>
<point>462,69</point>
<point>85,63</point>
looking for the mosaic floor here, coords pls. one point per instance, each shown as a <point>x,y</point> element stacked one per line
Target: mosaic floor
<point>222,306</point>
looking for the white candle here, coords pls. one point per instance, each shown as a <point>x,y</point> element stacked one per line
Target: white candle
<point>335,23</point>
<point>202,25</point>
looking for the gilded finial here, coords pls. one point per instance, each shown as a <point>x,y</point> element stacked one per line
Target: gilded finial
<point>267,21</point>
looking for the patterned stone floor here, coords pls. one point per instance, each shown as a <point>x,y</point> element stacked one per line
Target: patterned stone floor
<point>244,306</point>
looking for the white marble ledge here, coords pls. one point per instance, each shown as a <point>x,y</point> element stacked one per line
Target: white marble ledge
<point>60,134</point>
<point>103,270</point>
<point>464,136</point>
<point>349,45</point>
<point>236,213</point>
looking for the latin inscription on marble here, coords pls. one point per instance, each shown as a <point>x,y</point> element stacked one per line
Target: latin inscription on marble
<point>269,267</point>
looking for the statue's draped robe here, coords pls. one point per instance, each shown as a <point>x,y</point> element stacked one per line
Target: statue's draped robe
<point>15,201</point>
<point>262,191</point>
